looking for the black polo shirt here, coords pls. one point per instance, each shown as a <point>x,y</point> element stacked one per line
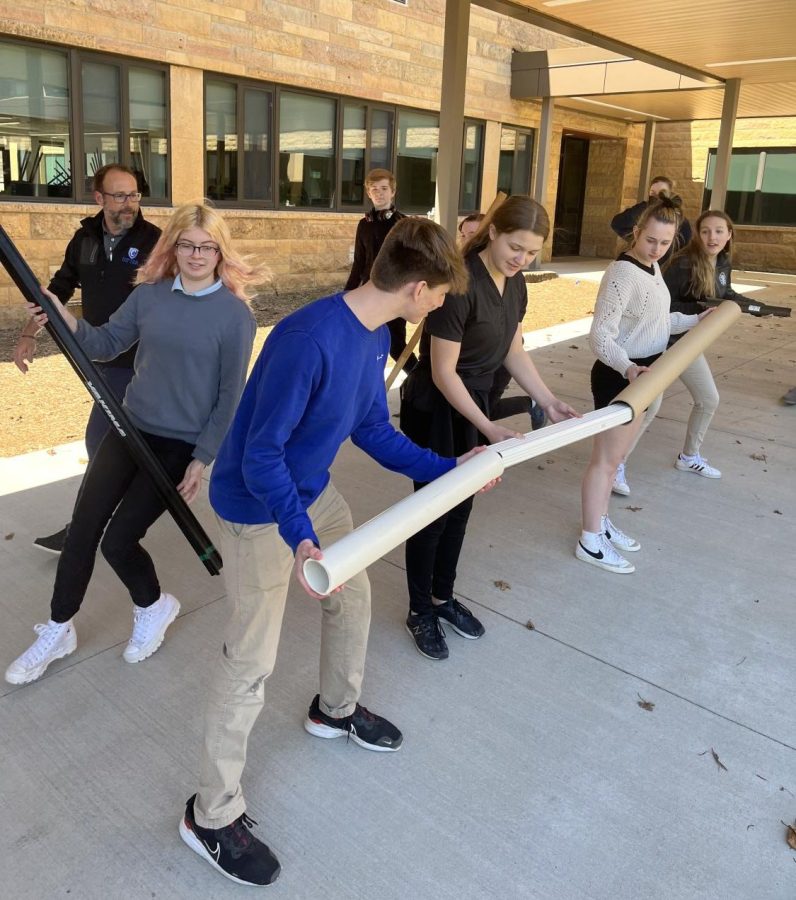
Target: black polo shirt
<point>482,321</point>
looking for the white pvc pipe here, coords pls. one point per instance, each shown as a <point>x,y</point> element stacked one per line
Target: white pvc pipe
<point>363,546</point>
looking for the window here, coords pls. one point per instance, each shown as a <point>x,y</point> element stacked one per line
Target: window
<point>123,120</point>
<point>306,150</point>
<point>760,186</point>
<point>516,158</point>
<point>416,161</point>
<point>472,156</point>
<point>55,135</point>
<point>367,143</point>
<point>35,149</point>
<point>238,159</point>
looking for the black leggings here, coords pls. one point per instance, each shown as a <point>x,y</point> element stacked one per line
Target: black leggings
<point>114,493</point>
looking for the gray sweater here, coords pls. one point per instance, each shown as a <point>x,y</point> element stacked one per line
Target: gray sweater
<point>191,363</point>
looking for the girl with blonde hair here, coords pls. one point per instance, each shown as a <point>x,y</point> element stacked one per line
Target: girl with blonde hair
<point>195,333</point>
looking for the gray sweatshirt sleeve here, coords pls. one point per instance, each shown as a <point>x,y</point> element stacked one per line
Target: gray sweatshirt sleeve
<point>104,342</point>
<point>236,351</point>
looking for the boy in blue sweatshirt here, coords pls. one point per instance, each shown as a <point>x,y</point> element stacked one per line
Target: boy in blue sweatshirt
<point>318,381</point>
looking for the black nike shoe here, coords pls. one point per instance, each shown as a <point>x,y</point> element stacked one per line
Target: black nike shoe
<point>363,727</point>
<point>52,543</point>
<point>233,850</point>
<point>428,635</point>
<point>460,619</point>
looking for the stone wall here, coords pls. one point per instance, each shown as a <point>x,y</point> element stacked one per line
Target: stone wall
<point>604,187</point>
<point>681,151</point>
<point>372,49</point>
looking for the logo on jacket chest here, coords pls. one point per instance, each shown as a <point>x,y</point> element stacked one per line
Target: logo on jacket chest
<point>131,257</point>
<point>723,279</point>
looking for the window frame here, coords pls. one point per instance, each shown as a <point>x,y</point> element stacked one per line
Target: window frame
<point>531,132</point>
<point>75,56</point>
<point>480,180</point>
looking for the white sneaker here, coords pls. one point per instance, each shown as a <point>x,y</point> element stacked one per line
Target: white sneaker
<point>605,557</point>
<point>696,464</point>
<point>618,538</point>
<point>149,627</point>
<point>620,485</point>
<point>55,640</point>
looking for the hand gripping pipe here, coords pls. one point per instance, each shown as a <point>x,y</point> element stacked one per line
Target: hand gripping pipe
<point>146,460</point>
<point>363,546</point>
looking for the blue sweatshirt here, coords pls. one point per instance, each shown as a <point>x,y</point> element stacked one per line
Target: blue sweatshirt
<point>319,380</point>
<point>191,363</point>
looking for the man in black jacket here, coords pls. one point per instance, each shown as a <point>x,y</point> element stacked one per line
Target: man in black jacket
<point>623,222</point>
<point>101,259</point>
<point>380,186</point>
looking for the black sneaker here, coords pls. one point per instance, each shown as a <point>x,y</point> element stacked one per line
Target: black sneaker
<point>233,850</point>
<point>460,619</point>
<point>53,543</point>
<point>362,726</point>
<point>428,635</point>
<point>538,416</point>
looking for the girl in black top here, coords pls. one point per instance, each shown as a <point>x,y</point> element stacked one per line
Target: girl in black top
<point>445,401</point>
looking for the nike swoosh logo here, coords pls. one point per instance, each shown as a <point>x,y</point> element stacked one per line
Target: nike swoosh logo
<point>597,555</point>
<point>214,853</point>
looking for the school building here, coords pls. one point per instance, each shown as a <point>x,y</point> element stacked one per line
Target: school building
<point>277,110</point>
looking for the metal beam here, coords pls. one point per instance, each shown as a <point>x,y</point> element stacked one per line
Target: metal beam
<point>451,117</point>
<point>721,174</point>
<point>645,174</point>
<point>549,23</point>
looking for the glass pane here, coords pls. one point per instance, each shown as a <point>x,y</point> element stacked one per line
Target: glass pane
<point>523,158</point>
<point>306,150</point>
<point>352,182</point>
<point>416,169</point>
<point>469,193</point>
<point>101,117</point>
<point>257,145</point>
<point>221,141</point>
<point>34,123</point>
<point>778,201</point>
<point>508,140</point>
<point>743,171</point>
<point>381,133</point>
<point>149,151</point>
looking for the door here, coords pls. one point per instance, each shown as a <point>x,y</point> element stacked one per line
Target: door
<point>571,193</point>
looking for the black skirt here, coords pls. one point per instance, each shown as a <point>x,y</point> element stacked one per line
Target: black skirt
<point>606,382</point>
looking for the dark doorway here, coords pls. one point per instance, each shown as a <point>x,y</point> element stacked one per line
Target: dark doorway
<point>571,193</point>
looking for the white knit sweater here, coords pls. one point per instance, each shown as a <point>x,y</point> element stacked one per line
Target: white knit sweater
<point>631,315</point>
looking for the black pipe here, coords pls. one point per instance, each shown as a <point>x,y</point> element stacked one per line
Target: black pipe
<point>146,460</point>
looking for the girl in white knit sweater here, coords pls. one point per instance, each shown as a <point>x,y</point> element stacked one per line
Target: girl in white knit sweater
<point>631,328</point>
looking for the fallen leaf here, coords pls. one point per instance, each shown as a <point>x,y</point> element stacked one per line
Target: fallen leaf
<point>737,442</point>
<point>503,585</point>
<point>530,626</point>
<point>777,512</point>
<point>790,835</point>
<point>740,661</point>
<point>749,826</point>
<point>10,536</point>
<point>51,451</point>
<point>540,468</point>
<point>574,347</point>
<point>645,704</point>
<point>634,508</point>
<point>760,457</point>
<point>761,777</point>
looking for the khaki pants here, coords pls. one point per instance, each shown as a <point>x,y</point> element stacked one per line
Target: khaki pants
<point>699,380</point>
<point>257,569</point>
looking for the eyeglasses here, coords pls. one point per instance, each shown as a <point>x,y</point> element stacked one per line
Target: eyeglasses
<point>120,196</point>
<point>207,250</point>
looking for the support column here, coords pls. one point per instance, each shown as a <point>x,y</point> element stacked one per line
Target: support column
<point>721,174</point>
<point>186,148</point>
<point>541,175</point>
<point>451,118</point>
<point>645,175</point>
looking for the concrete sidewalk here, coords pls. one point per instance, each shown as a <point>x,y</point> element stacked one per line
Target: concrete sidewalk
<point>529,769</point>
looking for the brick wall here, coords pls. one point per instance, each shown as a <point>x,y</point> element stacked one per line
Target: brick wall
<point>681,151</point>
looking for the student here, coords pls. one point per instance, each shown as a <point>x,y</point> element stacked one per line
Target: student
<point>377,223</point>
<point>500,407</point>
<point>630,330</point>
<point>319,380</point>
<point>195,332</point>
<point>101,259</point>
<point>446,401</point>
<point>623,222</point>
